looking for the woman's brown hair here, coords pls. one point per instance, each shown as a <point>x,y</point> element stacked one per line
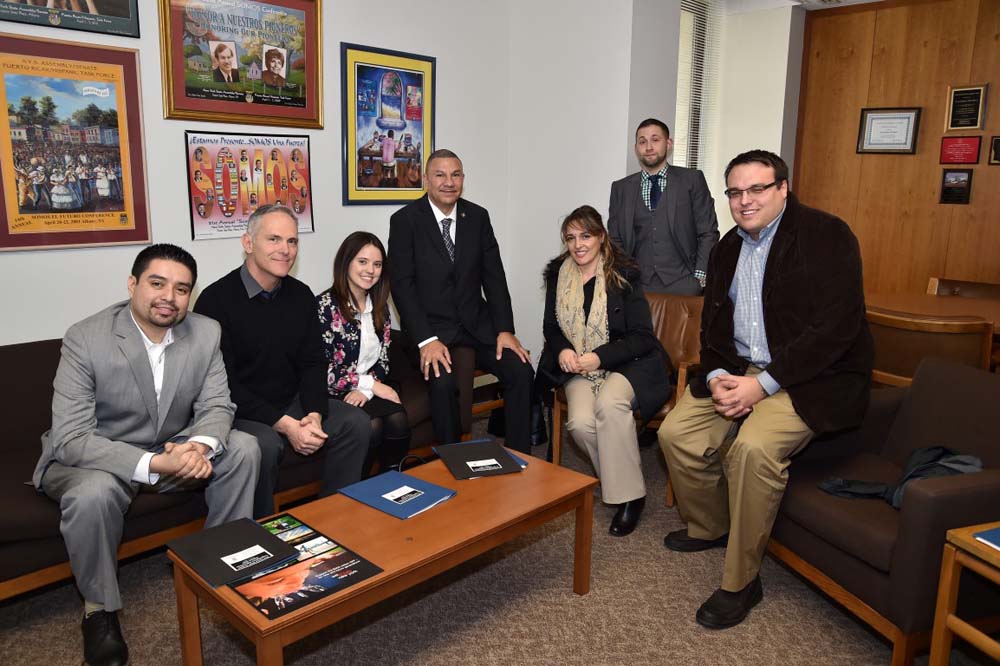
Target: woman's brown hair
<point>589,220</point>
<point>341,285</point>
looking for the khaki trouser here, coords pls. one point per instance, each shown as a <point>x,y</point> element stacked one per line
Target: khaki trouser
<point>604,426</point>
<point>729,477</point>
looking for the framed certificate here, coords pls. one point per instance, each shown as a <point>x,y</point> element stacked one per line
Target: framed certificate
<point>889,130</point>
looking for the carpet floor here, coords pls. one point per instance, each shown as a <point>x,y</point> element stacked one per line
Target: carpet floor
<point>511,606</point>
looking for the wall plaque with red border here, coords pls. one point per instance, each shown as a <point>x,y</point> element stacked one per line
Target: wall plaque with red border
<point>960,149</point>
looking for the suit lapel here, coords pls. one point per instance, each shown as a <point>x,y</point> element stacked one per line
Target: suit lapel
<point>463,232</point>
<point>669,198</point>
<point>783,240</point>
<point>175,360</point>
<point>431,226</point>
<point>130,343</point>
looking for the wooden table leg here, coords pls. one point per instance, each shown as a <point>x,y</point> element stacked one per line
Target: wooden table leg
<point>269,651</point>
<point>188,618</point>
<point>584,540</point>
<point>947,600</point>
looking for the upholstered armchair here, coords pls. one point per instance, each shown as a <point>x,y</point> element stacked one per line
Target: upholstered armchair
<point>880,563</point>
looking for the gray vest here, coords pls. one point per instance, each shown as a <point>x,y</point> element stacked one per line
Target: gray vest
<point>655,249</point>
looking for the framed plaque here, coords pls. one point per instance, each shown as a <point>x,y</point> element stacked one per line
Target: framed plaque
<point>956,186</point>
<point>994,150</point>
<point>960,149</point>
<point>966,107</point>
<point>889,130</point>
<point>242,61</point>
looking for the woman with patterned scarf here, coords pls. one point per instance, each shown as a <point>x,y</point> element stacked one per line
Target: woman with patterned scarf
<point>601,348</point>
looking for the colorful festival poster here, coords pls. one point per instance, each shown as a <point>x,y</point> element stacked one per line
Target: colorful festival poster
<point>231,175</point>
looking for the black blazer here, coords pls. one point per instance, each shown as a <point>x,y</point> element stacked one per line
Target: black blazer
<point>435,296</point>
<point>814,313</point>
<point>217,75</point>
<point>632,350</point>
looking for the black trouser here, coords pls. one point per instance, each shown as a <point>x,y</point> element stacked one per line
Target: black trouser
<point>516,378</point>
<point>348,432</point>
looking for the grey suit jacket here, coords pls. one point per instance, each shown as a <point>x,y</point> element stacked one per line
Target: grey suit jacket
<point>104,410</point>
<point>693,226</point>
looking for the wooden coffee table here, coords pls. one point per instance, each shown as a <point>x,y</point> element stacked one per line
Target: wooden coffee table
<point>484,513</point>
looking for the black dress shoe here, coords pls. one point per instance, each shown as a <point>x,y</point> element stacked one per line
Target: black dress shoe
<point>727,609</point>
<point>627,517</point>
<point>103,644</point>
<point>682,543</point>
<point>647,438</point>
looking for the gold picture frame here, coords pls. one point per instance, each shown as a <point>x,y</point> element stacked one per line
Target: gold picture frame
<point>220,65</point>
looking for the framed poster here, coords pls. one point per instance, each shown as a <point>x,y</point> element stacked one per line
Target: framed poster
<point>956,186</point>
<point>242,61</point>
<point>888,131</point>
<point>960,149</point>
<point>231,175</point>
<point>71,148</point>
<point>966,107</point>
<point>388,123</point>
<point>994,150</point>
<point>110,17</point>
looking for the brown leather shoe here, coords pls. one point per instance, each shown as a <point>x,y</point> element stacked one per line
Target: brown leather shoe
<point>727,609</point>
<point>682,543</point>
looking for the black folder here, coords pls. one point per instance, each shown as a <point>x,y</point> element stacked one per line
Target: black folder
<point>233,551</point>
<point>469,460</point>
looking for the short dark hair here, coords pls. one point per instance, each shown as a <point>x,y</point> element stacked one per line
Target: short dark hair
<point>653,121</point>
<point>164,251</point>
<point>441,154</point>
<point>765,157</point>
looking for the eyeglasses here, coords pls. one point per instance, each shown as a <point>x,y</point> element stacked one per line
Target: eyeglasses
<point>734,193</point>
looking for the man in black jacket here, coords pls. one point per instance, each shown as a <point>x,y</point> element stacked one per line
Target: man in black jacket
<point>272,347</point>
<point>445,259</point>
<point>785,355</point>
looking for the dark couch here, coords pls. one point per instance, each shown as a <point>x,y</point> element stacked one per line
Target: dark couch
<point>32,553</point>
<point>883,564</point>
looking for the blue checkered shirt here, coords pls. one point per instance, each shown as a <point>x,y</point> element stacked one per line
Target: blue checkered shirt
<point>746,291</point>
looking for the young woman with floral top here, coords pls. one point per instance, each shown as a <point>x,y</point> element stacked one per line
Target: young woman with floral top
<point>354,319</point>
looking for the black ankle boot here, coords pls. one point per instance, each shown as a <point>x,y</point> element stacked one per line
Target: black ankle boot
<point>627,517</point>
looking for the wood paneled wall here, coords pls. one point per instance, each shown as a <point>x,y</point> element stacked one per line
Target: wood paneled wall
<point>901,53</point>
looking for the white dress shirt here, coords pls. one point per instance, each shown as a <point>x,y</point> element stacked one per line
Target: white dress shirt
<point>157,352</point>
<point>369,351</point>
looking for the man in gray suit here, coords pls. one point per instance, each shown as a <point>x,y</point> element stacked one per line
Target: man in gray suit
<point>663,216</point>
<point>141,404</point>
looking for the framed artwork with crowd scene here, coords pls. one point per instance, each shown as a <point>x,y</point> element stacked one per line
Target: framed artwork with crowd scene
<point>71,149</point>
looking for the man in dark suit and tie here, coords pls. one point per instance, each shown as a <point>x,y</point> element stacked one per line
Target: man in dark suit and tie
<point>663,216</point>
<point>449,286</point>
<point>141,404</point>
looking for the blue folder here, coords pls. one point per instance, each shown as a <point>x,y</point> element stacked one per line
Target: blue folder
<point>398,494</point>
<point>989,537</point>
